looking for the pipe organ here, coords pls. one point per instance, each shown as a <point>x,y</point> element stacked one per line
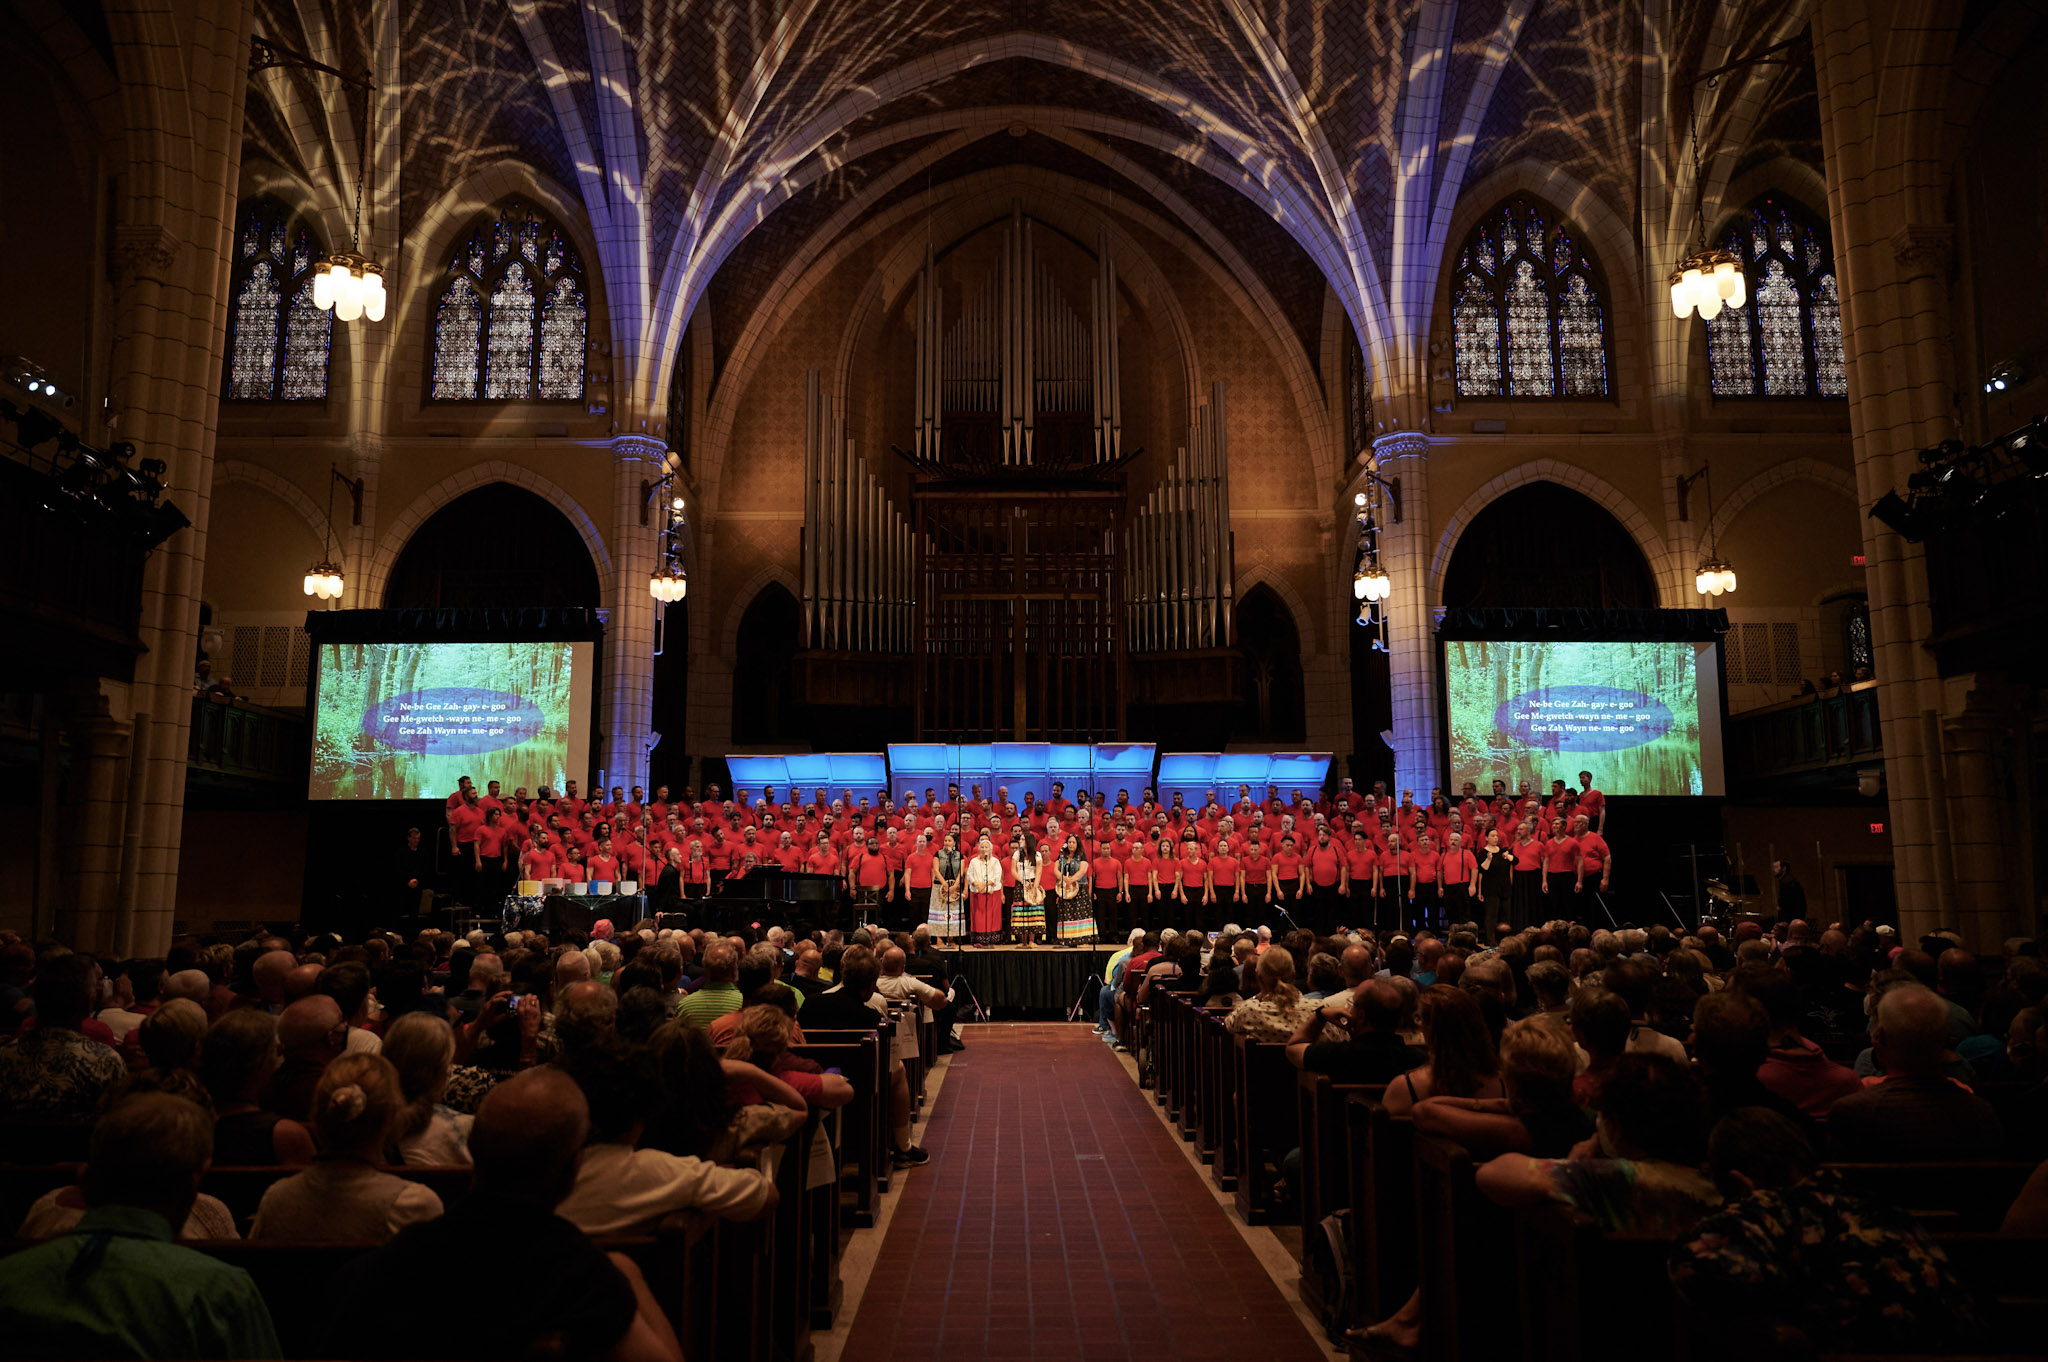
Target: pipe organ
<point>1008,602</point>
<point>1179,561</point>
<point>1019,378</point>
<point>858,558</point>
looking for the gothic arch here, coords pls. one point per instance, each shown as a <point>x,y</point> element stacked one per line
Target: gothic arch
<point>736,608</point>
<point>1827,475</point>
<point>1252,579</point>
<point>229,471</point>
<point>1576,479</point>
<point>468,480</point>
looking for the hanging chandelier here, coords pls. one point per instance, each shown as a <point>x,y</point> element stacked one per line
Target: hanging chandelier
<point>350,282</point>
<point>668,585</point>
<point>670,581</point>
<point>1705,282</point>
<point>1708,279</point>
<point>323,580</point>
<point>1714,576</point>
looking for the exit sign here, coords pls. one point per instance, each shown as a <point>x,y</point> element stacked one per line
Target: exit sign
<point>1855,560</point>
<point>1877,828</point>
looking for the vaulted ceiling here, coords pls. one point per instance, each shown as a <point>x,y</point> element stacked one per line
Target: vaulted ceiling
<point>1330,140</point>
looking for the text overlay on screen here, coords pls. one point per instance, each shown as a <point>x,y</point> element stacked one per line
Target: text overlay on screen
<point>407,720</point>
<point>1642,716</point>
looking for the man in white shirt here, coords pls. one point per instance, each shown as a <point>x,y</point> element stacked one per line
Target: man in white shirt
<point>136,992</point>
<point>620,1189</point>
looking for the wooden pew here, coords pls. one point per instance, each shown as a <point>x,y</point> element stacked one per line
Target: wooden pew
<point>1267,1124</point>
<point>789,1268</point>
<point>33,1139</point>
<point>242,1189</point>
<point>1380,1158</point>
<point>1590,1295</point>
<point>1944,1196</point>
<point>1585,1294</point>
<point>1325,1174</point>
<point>863,1138</point>
<point>1216,1061</point>
<point>1464,1248</point>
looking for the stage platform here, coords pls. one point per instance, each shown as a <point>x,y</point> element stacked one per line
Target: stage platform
<point>1010,979</point>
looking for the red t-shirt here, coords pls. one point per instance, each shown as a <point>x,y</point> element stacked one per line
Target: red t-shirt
<point>822,861</point>
<point>1255,863</point>
<point>603,867</point>
<point>1360,863</point>
<point>467,822</point>
<point>1528,855</point>
<point>1223,869</point>
<point>918,866</point>
<point>1425,867</point>
<point>1591,802</point>
<point>538,864</point>
<point>1459,866</point>
<point>490,841</point>
<point>571,871</point>
<point>871,871</point>
<point>789,857</point>
<point>1593,847</point>
<point>1105,868</point>
<point>1288,864</point>
<point>1324,862</point>
<point>1138,866</point>
<point>1562,856</point>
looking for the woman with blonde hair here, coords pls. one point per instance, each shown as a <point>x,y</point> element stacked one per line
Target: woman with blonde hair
<point>346,1196</point>
<point>428,1132</point>
<point>1273,1013</point>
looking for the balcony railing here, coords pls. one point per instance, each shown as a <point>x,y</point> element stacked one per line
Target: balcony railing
<point>238,744</point>
<point>1803,737</point>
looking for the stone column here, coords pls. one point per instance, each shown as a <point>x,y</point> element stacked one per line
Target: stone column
<point>170,269</point>
<point>93,824</point>
<point>629,641</point>
<point>1891,251</point>
<point>1980,812</point>
<point>1411,617</point>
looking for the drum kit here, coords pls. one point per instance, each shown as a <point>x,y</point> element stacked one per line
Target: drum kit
<point>1728,907</point>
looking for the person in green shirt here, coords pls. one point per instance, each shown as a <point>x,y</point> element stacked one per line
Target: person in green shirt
<point>719,993</point>
<point>118,1285</point>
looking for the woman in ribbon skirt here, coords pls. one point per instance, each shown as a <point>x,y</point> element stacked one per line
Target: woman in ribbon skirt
<point>948,915</point>
<point>985,895</point>
<point>1076,909</point>
<point>1027,919</point>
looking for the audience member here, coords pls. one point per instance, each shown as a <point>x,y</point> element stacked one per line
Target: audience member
<point>525,1145</point>
<point>421,1049</point>
<point>1791,1255</point>
<point>116,1285</point>
<point>1462,1059</point>
<point>54,1070</point>
<point>1916,1111</point>
<point>345,1196</point>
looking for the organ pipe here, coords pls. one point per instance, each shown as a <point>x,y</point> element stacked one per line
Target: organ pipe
<point>1178,554</point>
<point>859,548</point>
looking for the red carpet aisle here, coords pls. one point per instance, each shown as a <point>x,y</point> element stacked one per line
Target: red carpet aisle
<point>1057,1221</point>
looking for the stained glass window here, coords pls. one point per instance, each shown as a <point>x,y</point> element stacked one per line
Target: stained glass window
<point>512,316</point>
<point>1788,341</point>
<point>278,342</point>
<point>1526,313</point>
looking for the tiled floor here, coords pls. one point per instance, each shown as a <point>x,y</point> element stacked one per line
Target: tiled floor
<point>1059,1220</point>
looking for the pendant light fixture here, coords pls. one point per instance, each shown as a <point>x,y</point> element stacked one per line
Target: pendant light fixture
<point>350,282</point>
<point>1708,279</point>
<point>323,580</point>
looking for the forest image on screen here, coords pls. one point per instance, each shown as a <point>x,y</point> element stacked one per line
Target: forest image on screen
<point>407,720</point>
<point>1536,712</point>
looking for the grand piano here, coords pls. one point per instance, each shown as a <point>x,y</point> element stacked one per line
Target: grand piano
<point>769,895</point>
